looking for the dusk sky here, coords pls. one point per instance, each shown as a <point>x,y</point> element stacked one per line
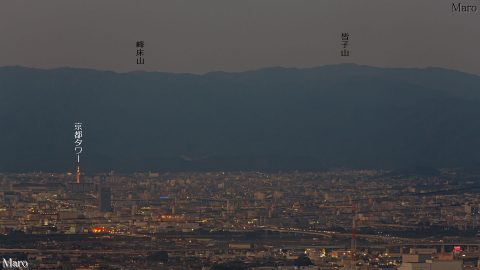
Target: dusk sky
<point>213,35</point>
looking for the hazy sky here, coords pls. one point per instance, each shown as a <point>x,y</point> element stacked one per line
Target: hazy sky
<point>208,35</point>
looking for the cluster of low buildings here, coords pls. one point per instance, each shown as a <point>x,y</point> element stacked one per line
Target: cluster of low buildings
<point>210,215</point>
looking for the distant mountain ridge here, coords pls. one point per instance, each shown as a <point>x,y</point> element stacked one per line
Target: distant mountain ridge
<point>270,119</point>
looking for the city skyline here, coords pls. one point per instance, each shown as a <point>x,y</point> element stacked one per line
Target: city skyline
<point>239,135</point>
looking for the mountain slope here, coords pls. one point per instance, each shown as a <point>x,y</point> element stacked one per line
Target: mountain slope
<point>270,119</point>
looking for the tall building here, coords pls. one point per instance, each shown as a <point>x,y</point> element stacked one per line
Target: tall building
<point>105,199</point>
<point>78,174</point>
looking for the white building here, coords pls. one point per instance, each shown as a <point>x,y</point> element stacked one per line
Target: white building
<point>416,262</point>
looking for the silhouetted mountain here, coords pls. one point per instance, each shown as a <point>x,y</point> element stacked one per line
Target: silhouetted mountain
<point>270,119</point>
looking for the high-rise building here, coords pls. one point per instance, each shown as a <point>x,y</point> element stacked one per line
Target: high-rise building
<point>78,174</point>
<point>105,199</point>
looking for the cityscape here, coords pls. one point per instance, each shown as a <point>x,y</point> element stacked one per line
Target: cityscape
<point>334,219</point>
<point>239,135</point>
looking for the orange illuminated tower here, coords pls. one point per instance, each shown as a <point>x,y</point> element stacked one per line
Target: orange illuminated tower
<point>78,174</point>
